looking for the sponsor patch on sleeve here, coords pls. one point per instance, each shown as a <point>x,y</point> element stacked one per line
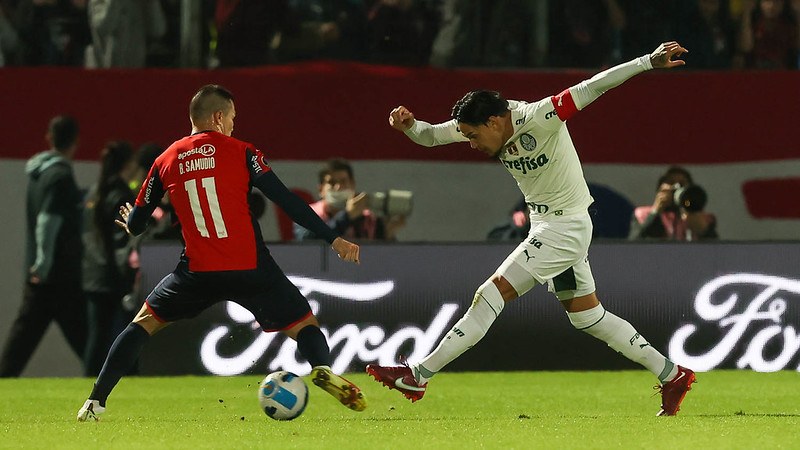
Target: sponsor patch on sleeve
<point>258,162</point>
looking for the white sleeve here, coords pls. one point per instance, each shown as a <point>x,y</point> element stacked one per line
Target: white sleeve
<point>423,133</point>
<point>589,90</point>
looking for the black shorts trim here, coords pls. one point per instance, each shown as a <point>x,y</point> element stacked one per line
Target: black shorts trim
<point>290,325</point>
<point>153,313</point>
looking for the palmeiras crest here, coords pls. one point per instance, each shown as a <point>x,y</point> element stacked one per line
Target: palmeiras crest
<point>528,142</point>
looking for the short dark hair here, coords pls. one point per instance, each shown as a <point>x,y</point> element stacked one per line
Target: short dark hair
<point>207,100</point>
<point>147,154</point>
<point>335,165</point>
<point>671,172</point>
<point>63,132</point>
<point>476,107</point>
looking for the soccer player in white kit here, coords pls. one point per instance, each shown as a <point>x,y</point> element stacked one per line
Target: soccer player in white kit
<point>532,142</point>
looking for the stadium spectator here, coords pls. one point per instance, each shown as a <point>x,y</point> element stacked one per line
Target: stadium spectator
<point>163,222</point>
<point>53,258</point>
<point>515,228</point>
<point>400,32</point>
<point>706,27</point>
<point>246,31</point>
<point>665,219</point>
<point>165,51</point>
<point>346,211</point>
<point>646,23</point>
<point>107,273</point>
<point>52,32</point>
<point>486,33</point>
<point>224,257</point>
<point>146,155</point>
<point>697,223</point>
<point>609,212</point>
<point>121,30</point>
<point>9,41</point>
<point>457,43</point>
<point>768,37</point>
<point>509,39</point>
<point>584,33</point>
<point>314,29</point>
<point>532,142</point>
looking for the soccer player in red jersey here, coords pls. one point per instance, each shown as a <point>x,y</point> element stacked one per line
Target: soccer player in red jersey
<point>208,176</point>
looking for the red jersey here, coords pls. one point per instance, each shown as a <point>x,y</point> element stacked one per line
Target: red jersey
<point>208,177</point>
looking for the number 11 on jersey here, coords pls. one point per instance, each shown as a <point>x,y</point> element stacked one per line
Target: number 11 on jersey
<point>210,188</point>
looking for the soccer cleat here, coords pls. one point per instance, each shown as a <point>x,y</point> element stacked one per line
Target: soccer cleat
<point>673,392</point>
<point>343,390</point>
<point>400,378</point>
<point>90,410</point>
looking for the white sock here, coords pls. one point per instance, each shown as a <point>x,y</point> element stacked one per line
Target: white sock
<point>486,306</point>
<point>620,335</point>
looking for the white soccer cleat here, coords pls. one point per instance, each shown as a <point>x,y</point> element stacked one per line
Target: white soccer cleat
<point>90,410</point>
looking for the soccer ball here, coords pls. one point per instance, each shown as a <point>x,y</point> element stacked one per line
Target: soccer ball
<point>283,395</point>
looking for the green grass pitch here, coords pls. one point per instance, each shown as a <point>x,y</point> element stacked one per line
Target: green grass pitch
<point>523,410</point>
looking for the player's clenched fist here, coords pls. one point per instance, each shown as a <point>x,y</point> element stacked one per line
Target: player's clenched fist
<point>401,118</point>
<point>347,250</point>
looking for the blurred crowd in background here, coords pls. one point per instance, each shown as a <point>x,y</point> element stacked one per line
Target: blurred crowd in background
<point>720,34</point>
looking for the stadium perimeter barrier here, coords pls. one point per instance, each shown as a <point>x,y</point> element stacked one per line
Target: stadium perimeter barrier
<point>708,306</point>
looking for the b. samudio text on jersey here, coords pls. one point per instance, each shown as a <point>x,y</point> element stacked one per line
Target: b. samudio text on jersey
<point>196,164</point>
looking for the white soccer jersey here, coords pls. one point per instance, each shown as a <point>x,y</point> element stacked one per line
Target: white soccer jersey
<point>541,157</point>
<point>540,154</point>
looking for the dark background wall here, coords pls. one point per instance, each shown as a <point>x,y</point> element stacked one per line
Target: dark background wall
<point>706,306</point>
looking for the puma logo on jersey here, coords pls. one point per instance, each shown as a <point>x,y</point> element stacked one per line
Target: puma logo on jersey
<point>528,256</point>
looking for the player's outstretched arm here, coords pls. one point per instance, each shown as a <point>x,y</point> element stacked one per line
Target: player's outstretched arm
<point>585,92</point>
<point>421,132</point>
<point>347,250</point>
<point>294,206</point>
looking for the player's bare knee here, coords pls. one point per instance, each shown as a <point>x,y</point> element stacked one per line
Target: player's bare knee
<point>505,288</point>
<point>581,303</point>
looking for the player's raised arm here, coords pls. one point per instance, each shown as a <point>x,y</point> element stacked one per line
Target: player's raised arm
<point>423,133</point>
<point>577,97</point>
<point>303,215</point>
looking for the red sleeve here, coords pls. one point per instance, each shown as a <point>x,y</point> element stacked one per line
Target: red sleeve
<point>565,106</point>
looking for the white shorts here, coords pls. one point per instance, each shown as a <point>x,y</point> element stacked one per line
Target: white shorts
<point>555,252</point>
